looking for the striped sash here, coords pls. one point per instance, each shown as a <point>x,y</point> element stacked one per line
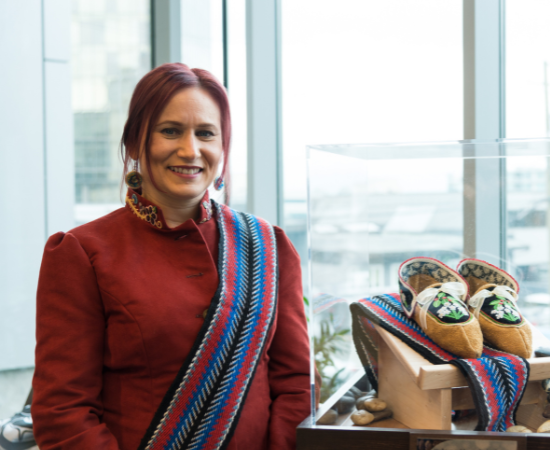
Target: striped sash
<point>201,409</point>
<point>497,379</point>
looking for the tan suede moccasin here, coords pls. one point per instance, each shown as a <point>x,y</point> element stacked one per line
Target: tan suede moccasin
<point>435,296</point>
<point>493,296</point>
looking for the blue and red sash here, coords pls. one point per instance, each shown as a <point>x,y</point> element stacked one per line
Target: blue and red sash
<point>201,409</point>
<point>497,379</point>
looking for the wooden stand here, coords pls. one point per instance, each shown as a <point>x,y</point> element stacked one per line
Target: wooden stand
<point>423,395</point>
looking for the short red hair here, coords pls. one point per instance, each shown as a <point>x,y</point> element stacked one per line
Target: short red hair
<point>150,97</point>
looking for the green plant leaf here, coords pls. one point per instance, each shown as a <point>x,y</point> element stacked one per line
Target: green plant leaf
<point>510,317</point>
<point>455,314</point>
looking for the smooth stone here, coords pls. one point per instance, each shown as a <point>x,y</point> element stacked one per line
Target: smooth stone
<point>379,415</point>
<point>546,412</point>
<point>361,417</point>
<point>328,418</point>
<point>345,404</point>
<point>544,428</point>
<point>360,403</point>
<point>518,429</point>
<point>375,405</point>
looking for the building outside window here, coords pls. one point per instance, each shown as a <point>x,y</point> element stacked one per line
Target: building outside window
<point>111,51</point>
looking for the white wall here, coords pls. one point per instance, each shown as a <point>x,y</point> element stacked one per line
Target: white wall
<point>36,159</point>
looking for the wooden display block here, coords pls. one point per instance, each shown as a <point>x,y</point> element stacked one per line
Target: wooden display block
<point>423,395</point>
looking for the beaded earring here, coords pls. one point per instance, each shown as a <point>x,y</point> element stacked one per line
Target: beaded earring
<point>134,178</point>
<point>218,183</point>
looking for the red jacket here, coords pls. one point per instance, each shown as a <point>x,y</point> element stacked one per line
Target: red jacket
<point>120,301</point>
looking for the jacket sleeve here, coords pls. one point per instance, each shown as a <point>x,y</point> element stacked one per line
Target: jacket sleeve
<point>70,327</point>
<point>289,377</point>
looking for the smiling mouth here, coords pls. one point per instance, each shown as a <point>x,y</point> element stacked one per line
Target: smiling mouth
<point>189,171</point>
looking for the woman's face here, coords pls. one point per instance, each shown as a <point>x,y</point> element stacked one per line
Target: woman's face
<point>186,148</point>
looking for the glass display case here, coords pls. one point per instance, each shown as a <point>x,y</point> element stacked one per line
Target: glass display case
<point>373,207</point>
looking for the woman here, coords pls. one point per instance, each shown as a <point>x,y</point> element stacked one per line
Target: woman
<point>173,322</point>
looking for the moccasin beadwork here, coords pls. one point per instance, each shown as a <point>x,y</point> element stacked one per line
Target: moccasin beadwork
<point>434,295</point>
<point>493,300</point>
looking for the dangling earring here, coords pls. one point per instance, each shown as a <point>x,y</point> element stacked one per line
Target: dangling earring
<point>134,178</point>
<point>218,183</point>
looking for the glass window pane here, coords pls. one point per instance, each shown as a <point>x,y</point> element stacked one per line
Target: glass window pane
<point>111,51</point>
<point>528,179</point>
<point>365,72</point>
<point>527,68</point>
<point>236,87</point>
<point>527,235</point>
<point>202,35</point>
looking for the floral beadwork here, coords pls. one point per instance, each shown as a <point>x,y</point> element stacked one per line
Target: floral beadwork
<point>147,213</point>
<point>504,309</point>
<point>449,307</point>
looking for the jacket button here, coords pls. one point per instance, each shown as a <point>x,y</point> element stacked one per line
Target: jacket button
<point>204,313</point>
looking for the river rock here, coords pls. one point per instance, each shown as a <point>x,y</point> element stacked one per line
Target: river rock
<point>345,404</point>
<point>375,404</point>
<point>379,415</point>
<point>360,403</point>
<point>328,418</point>
<point>518,429</point>
<point>544,428</point>
<point>361,417</point>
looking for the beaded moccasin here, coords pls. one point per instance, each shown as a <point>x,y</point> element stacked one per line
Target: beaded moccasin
<point>435,296</point>
<point>493,295</point>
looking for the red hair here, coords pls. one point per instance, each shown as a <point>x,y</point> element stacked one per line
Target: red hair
<point>150,97</point>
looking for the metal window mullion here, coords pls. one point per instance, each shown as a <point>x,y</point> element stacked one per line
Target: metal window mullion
<point>263,32</point>
<point>484,177</point>
<point>165,31</point>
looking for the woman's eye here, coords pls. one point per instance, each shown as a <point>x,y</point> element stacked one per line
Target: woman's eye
<point>170,131</point>
<point>205,133</point>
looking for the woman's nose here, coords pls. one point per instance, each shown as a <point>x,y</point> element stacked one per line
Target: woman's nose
<point>189,146</point>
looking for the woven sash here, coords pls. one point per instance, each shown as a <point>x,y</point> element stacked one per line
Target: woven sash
<point>201,409</point>
<point>497,379</point>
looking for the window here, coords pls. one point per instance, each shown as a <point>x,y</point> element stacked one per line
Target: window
<point>111,51</point>
<point>527,69</point>
<point>528,179</point>
<point>364,72</point>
